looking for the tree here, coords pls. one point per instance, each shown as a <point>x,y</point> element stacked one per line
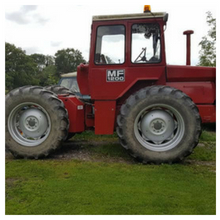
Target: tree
<point>48,76</point>
<point>37,69</point>
<point>43,60</point>
<point>46,69</point>
<point>207,53</point>
<point>20,69</point>
<point>67,60</point>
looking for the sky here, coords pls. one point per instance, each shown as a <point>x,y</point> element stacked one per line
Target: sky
<point>47,28</point>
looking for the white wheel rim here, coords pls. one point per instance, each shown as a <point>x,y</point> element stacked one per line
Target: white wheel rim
<point>29,124</point>
<point>159,127</point>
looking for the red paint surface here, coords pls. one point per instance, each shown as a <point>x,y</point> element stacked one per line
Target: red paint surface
<point>105,117</point>
<point>76,114</point>
<point>199,83</point>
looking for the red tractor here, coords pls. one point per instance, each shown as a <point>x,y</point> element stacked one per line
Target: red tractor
<point>156,109</point>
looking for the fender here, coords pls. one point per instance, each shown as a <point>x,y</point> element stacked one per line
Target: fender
<point>76,113</point>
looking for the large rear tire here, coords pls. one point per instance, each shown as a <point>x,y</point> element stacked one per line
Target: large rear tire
<point>36,122</point>
<point>159,124</point>
<point>59,90</point>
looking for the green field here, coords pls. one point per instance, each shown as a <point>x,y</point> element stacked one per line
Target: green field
<point>95,175</point>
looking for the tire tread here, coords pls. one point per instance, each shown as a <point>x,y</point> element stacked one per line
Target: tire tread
<point>149,91</point>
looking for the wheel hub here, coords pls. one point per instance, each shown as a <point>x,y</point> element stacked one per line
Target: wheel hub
<point>33,123</point>
<point>157,125</point>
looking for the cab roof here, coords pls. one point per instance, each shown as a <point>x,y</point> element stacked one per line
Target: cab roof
<point>148,15</point>
<point>65,75</point>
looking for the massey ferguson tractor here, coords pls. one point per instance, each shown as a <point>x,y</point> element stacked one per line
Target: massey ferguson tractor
<point>156,109</point>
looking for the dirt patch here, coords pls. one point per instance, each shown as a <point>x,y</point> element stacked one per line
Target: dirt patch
<point>207,163</point>
<point>79,150</point>
<point>211,165</point>
<point>10,182</point>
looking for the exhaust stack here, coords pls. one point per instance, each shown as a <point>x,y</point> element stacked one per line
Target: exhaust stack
<point>188,46</point>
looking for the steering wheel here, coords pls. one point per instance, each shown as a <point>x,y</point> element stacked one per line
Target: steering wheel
<point>103,59</point>
<point>140,57</point>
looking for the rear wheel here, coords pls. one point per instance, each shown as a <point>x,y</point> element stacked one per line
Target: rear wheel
<point>36,122</point>
<point>59,90</point>
<point>159,124</point>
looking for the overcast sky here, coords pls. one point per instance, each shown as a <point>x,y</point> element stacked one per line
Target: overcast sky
<point>48,28</point>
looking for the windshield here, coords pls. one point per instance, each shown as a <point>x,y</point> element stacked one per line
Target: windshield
<point>70,83</point>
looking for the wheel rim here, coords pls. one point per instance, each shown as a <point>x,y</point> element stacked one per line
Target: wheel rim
<point>29,124</point>
<point>159,127</point>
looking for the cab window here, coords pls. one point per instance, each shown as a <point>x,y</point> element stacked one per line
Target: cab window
<point>110,45</point>
<point>146,43</point>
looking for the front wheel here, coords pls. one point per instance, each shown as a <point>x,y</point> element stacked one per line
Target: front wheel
<point>159,124</point>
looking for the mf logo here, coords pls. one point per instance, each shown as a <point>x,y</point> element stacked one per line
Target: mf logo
<point>115,75</point>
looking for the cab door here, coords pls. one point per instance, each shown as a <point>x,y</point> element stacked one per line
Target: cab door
<point>107,73</point>
<point>108,65</point>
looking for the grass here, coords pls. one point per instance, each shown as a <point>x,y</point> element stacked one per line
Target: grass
<point>89,136</point>
<point>76,187</point>
<point>208,136</point>
<point>73,187</point>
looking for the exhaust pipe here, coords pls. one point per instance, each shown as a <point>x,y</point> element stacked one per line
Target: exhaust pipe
<point>188,46</point>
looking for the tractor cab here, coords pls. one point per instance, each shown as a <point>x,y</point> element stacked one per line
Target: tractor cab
<point>124,49</point>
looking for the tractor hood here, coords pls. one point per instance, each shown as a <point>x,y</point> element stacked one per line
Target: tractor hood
<point>190,73</point>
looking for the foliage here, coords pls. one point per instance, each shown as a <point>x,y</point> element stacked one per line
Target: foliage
<point>67,60</point>
<point>208,44</point>
<point>48,76</point>
<point>37,69</point>
<point>42,60</point>
<point>46,69</point>
<point>20,69</point>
